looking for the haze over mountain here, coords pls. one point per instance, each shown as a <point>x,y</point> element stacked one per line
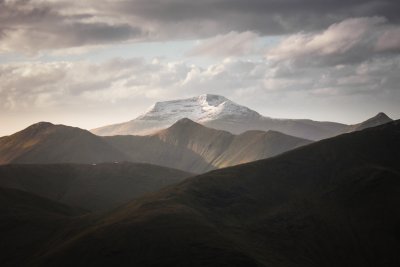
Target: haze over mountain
<point>221,113</point>
<point>331,203</point>
<point>379,119</point>
<point>91,187</point>
<point>44,142</point>
<point>190,146</point>
<point>186,145</point>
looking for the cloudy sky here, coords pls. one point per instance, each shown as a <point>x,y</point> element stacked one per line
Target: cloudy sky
<point>89,63</point>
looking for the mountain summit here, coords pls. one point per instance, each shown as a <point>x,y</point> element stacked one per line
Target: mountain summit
<point>378,119</point>
<point>220,113</point>
<point>190,146</point>
<point>201,109</point>
<point>45,142</point>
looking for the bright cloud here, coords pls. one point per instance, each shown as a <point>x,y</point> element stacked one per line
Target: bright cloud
<point>350,41</point>
<point>227,45</point>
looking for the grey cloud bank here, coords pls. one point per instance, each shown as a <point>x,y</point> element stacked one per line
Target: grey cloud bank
<point>25,24</point>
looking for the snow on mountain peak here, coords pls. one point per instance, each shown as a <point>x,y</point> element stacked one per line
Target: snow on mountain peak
<point>211,100</point>
<point>201,108</point>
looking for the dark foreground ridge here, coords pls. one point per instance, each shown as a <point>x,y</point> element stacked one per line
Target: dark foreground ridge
<point>93,187</point>
<point>331,203</point>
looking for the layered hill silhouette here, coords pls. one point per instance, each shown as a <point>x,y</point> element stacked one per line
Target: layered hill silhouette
<point>44,142</point>
<point>330,203</point>
<point>221,113</point>
<point>186,145</point>
<point>379,119</point>
<point>192,147</point>
<point>90,187</point>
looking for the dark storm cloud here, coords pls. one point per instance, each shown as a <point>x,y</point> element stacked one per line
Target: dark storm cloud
<point>91,33</point>
<point>264,16</point>
<point>27,23</point>
<point>32,26</point>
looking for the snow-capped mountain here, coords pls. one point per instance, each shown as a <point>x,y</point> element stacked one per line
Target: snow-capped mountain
<point>202,109</point>
<point>218,112</point>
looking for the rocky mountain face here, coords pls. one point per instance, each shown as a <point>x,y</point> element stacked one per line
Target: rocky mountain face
<point>221,113</point>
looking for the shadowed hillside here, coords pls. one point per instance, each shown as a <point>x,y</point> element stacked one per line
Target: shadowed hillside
<point>331,203</point>
<point>28,222</point>
<point>379,119</point>
<point>92,187</point>
<point>186,145</point>
<point>192,147</point>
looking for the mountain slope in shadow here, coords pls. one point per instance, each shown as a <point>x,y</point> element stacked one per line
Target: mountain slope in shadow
<point>28,222</point>
<point>331,203</point>
<point>92,187</point>
<point>192,147</point>
<point>379,119</point>
<point>186,145</point>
